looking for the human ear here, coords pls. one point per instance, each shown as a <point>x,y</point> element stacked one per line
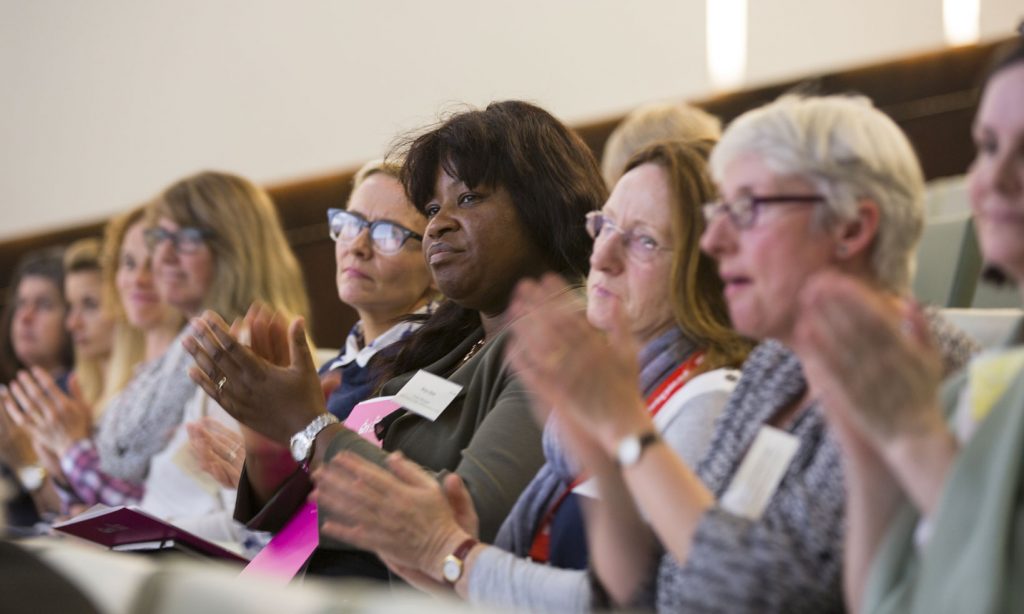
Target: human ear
<point>854,236</point>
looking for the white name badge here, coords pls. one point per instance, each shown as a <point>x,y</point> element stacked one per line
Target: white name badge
<point>427,394</point>
<point>760,473</point>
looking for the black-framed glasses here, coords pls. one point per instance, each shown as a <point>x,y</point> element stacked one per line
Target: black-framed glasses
<point>184,240</point>
<point>387,237</point>
<point>742,210</point>
<point>639,246</point>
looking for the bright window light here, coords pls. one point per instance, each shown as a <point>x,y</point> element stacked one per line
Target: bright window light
<point>960,21</point>
<point>727,42</point>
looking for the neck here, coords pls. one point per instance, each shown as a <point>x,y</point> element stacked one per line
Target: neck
<point>157,341</point>
<point>376,324</point>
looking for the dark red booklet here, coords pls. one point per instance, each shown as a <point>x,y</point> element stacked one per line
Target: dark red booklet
<point>129,528</point>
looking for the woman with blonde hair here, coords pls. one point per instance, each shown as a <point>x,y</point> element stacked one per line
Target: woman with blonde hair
<point>89,319</point>
<point>215,243</point>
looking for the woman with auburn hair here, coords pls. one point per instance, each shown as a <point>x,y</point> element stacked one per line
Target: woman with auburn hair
<point>650,286</point>
<point>505,190</point>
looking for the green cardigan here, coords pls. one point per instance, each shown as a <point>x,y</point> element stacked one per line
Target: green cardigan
<point>974,560</point>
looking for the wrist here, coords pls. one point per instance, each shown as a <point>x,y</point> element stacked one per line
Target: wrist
<point>921,460</point>
<point>447,547</point>
<point>627,424</point>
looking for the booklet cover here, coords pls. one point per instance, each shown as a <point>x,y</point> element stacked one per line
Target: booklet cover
<point>367,414</point>
<point>129,528</point>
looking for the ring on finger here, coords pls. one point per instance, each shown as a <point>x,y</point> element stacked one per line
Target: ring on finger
<point>220,383</point>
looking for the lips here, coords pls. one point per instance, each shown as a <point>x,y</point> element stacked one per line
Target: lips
<point>439,252</point>
<point>353,273</point>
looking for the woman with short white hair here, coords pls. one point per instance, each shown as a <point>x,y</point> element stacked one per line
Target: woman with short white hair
<point>808,185</point>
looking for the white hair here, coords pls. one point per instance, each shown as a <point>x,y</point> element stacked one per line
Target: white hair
<point>849,151</point>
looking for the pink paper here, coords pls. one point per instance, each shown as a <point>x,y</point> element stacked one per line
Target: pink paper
<point>367,414</point>
<point>288,551</point>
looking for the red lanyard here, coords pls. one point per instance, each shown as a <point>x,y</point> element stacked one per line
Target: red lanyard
<point>540,549</point>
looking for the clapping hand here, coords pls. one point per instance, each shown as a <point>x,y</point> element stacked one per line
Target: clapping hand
<point>53,420</point>
<point>272,386</point>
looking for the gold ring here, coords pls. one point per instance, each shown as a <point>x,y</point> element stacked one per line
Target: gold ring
<point>220,383</point>
<point>234,453</point>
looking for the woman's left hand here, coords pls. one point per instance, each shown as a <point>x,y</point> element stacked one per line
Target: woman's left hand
<point>53,419</point>
<point>403,514</point>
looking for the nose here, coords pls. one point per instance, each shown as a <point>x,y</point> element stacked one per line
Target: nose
<point>608,254</point>
<point>441,224</point>
<point>719,236</point>
<point>73,321</point>
<point>164,252</point>
<point>1007,173</point>
<point>362,246</point>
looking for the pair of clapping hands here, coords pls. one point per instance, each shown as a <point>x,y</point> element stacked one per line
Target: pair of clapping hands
<point>39,422</point>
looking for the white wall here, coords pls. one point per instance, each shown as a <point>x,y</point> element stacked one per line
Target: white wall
<point>104,102</point>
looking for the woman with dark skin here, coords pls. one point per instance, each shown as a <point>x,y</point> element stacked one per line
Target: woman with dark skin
<point>505,191</point>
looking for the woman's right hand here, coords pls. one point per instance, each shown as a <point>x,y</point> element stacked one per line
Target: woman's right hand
<point>271,387</point>
<point>584,374</point>
<point>15,444</point>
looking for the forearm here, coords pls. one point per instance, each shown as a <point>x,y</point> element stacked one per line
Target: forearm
<point>623,550</point>
<point>497,578</point>
<point>921,461</point>
<point>873,498</point>
<point>670,495</point>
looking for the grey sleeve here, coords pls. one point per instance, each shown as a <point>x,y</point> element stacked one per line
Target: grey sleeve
<point>501,579</point>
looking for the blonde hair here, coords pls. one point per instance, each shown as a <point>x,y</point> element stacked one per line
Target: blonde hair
<point>649,124</point>
<point>84,256</point>
<point>390,168</point>
<point>252,258</point>
<point>128,348</point>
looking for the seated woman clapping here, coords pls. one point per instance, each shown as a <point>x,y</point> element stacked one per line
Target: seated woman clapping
<point>648,279</point>
<point>504,190</point>
<point>808,185</point>
<point>936,517</point>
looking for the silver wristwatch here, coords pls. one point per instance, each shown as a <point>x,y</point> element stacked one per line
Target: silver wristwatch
<point>302,442</point>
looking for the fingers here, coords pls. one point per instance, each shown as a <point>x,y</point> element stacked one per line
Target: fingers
<point>408,471</point>
<point>300,356</point>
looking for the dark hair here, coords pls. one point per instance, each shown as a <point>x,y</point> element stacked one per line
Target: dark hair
<point>698,303</point>
<point>1010,54</point>
<point>49,263</point>
<point>550,174</point>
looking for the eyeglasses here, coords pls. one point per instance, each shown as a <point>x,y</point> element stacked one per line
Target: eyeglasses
<point>387,237</point>
<point>743,210</point>
<point>184,240</point>
<point>640,247</point>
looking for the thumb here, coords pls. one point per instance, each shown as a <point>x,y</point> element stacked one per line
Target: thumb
<point>299,348</point>
<point>457,494</point>
<point>407,471</point>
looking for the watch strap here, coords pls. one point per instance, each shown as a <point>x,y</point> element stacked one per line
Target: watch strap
<point>639,443</point>
<point>459,555</point>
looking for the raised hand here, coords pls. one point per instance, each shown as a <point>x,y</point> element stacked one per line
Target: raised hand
<point>52,419</point>
<point>572,367</point>
<point>271,387</point>
<point>869,357</point>
<point>16,449</point>
<point>403,514</point>
<point>219,450</point>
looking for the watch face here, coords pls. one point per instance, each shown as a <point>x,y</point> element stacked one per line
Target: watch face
<point>300,447</point>
<point>452,569</point>
<point>629,451</point>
